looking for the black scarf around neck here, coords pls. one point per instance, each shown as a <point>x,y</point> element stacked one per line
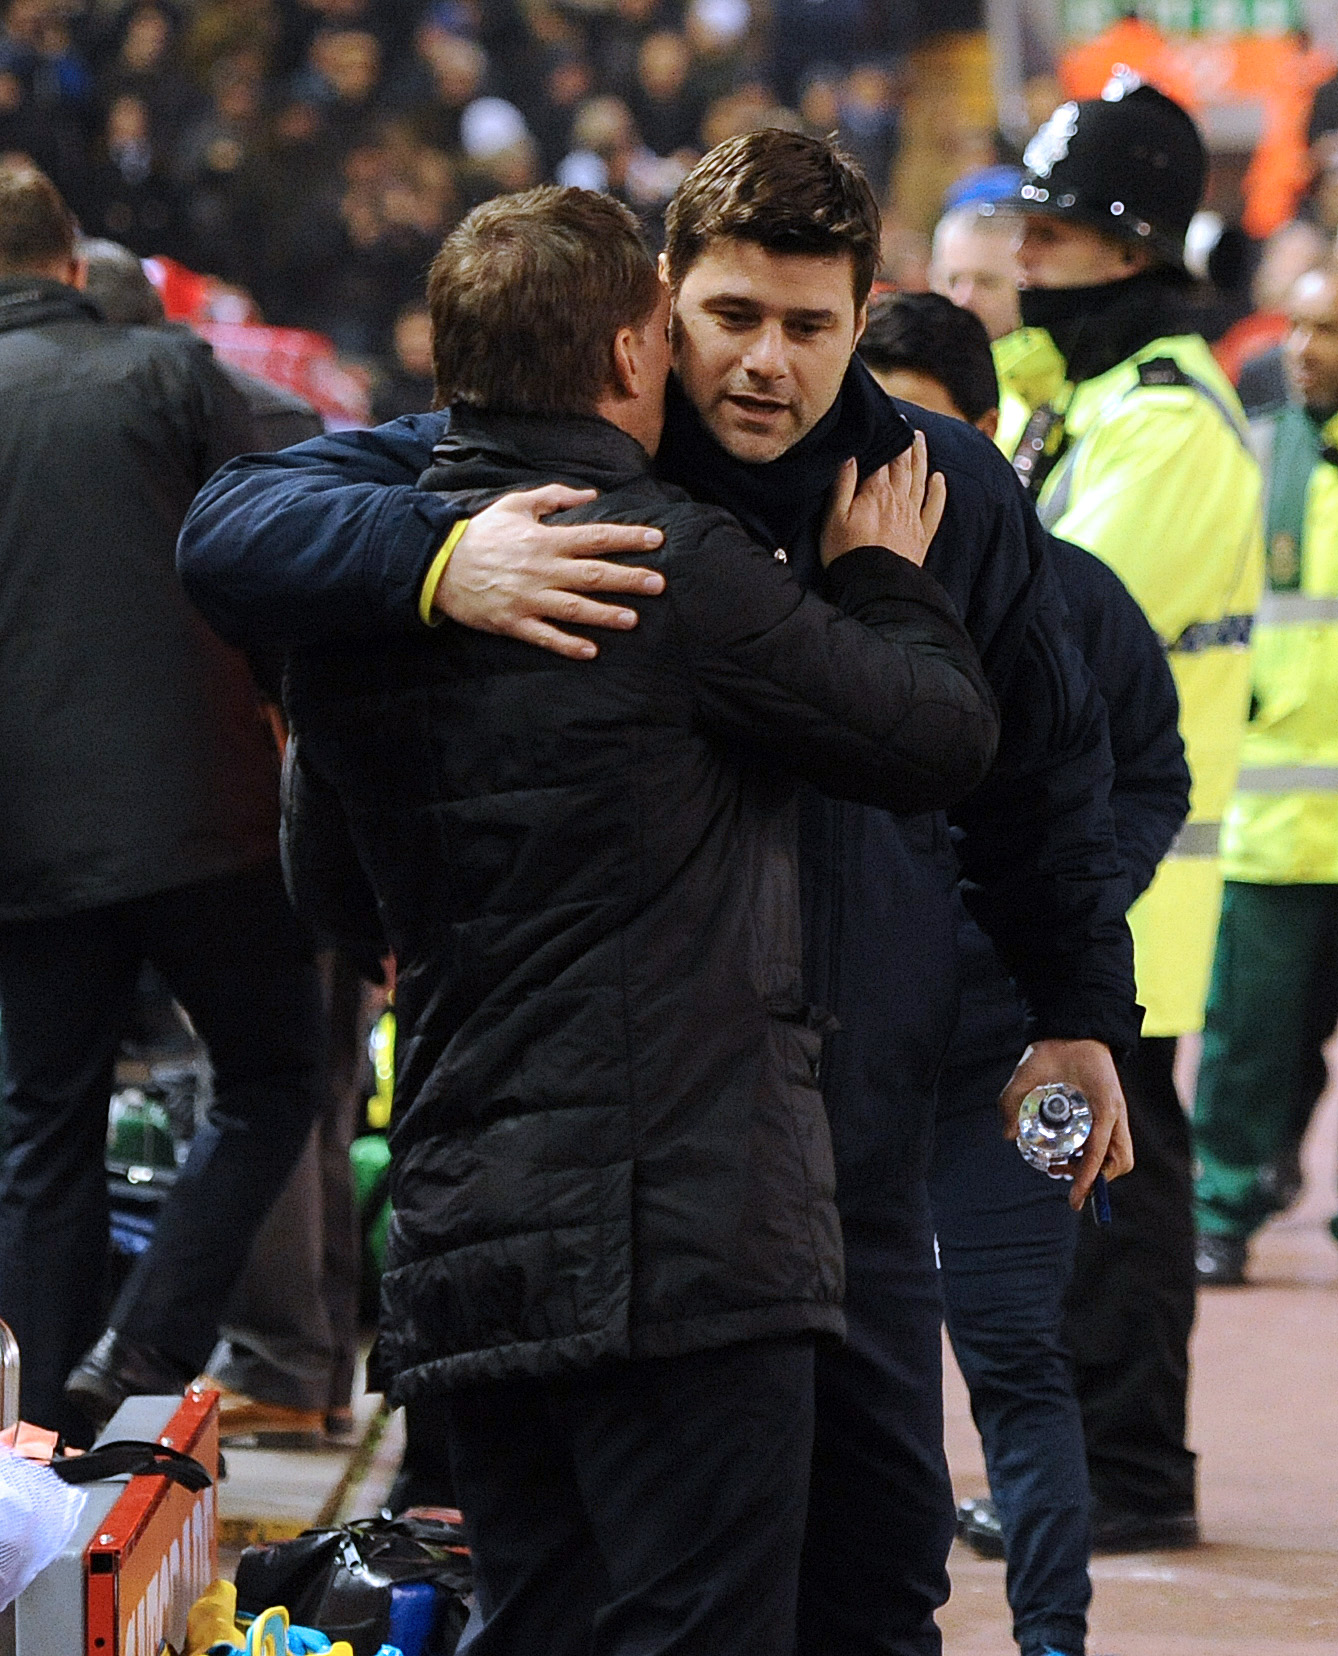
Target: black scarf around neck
<point>1097,327</point>
<point>781,502</point>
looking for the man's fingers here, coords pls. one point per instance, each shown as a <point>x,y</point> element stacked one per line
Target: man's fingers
<point>1120,1152</point>
<point>576,545</point>
<point>1089,1164</point>
<point>554,640</point>
<point>552,497</point>
<point>936,498</point>
<point>1010,1105</point>
<point>575,611</point>
<point>843,490</point>
<point>919,467</point>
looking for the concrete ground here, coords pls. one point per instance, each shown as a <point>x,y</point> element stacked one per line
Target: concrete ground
<point>1264,1420</point>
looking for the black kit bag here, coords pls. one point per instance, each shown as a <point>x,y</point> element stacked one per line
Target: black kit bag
<point>365,1582</point>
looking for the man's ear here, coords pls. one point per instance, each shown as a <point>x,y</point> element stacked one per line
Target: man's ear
<point>625,364</point>
<point>78,274</point>
<point>662,271</point>
<point>989,423</point>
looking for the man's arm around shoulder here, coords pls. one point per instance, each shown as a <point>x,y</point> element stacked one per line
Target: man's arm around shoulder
<point>333,538</point>
<point>326,539</point>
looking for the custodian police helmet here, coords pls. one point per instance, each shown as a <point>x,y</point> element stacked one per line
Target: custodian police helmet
<point>1130,162</point>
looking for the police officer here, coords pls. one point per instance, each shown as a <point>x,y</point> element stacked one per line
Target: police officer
<point>1274,994</point>
<point>1134,446</point>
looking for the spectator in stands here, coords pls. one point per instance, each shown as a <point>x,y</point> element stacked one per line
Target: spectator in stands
<point>717,31</point>
<point>568,82</point>
<point>870,122</point>
<point>210,168</point>
<point>499,154</point>
<point>342,76</point>
<point>406,387</point>
<point>446,73</point>
<point>666,112</point>
<point>615,40</point>
<point>221,28</point>
<point>130,195</point>
<point>148,64</point>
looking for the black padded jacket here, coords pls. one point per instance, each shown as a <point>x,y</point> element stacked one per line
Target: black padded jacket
<point>608,1135</point>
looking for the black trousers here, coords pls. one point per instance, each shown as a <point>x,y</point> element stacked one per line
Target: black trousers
<point>233,955</point>
<point>653,1508</point>
<point>1131,1306</point>
<point>880,1515</point>
<point>290,1332</point>
<point>1006,1238</point>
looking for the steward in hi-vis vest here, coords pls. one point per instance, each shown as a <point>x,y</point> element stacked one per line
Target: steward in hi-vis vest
<point>1133,445</point>
<point>1274,995</point>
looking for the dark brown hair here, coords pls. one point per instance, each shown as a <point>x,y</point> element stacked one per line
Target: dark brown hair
<point>930,335</point>
<point>36,227</point>
<point>527,295</point>
<point>783,190</point>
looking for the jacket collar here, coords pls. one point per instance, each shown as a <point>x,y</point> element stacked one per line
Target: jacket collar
<point>28,301</point>
<point>485,450</point>
<point>781,502</point>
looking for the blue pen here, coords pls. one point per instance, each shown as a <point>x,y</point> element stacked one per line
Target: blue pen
<point>1101,1200</point>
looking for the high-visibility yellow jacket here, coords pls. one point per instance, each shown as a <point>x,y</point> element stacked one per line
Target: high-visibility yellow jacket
<point>1281,827</point>
<point>1158,481</point>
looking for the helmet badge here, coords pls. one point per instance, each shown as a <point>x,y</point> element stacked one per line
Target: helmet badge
<point>1051,143</point>
<point>1122,82</point>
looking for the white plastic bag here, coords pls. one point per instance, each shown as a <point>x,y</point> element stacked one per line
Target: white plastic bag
<point>38,1514</point>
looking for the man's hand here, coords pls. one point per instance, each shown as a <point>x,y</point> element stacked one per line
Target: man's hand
<point>514,575</point>
<point>900,506</point>
<point>1088,1066</point>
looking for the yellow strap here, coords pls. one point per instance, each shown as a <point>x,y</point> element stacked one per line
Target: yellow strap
<point>435,570</point>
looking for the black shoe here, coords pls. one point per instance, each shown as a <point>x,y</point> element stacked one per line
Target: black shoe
<point>113,1370</point>
<point>1219,1261</point>
<point>978,1525</point>
<point>1129,1532</point>
<point>1282,1181</point>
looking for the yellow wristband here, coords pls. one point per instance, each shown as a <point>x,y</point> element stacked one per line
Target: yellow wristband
<point>435,570</point>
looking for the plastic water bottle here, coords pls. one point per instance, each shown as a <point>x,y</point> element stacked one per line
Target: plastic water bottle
<point>1053,1125</point>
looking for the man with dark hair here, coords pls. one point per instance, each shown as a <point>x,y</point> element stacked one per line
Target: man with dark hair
<point>138,823</point>
<point>924,349</point>
<point>1006,1236</point>
<point>614,1233</point>
<point>765,413</point>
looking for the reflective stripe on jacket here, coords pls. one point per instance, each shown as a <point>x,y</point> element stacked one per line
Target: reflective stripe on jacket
<point>1158,481</point>
<point>1281,826</point>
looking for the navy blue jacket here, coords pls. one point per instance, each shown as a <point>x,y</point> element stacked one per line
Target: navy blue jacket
<point>1149,797</point>
<point>1149,800</point>
<point>333,537</point>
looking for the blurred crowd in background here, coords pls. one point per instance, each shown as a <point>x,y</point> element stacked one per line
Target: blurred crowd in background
<point>311,154</point>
